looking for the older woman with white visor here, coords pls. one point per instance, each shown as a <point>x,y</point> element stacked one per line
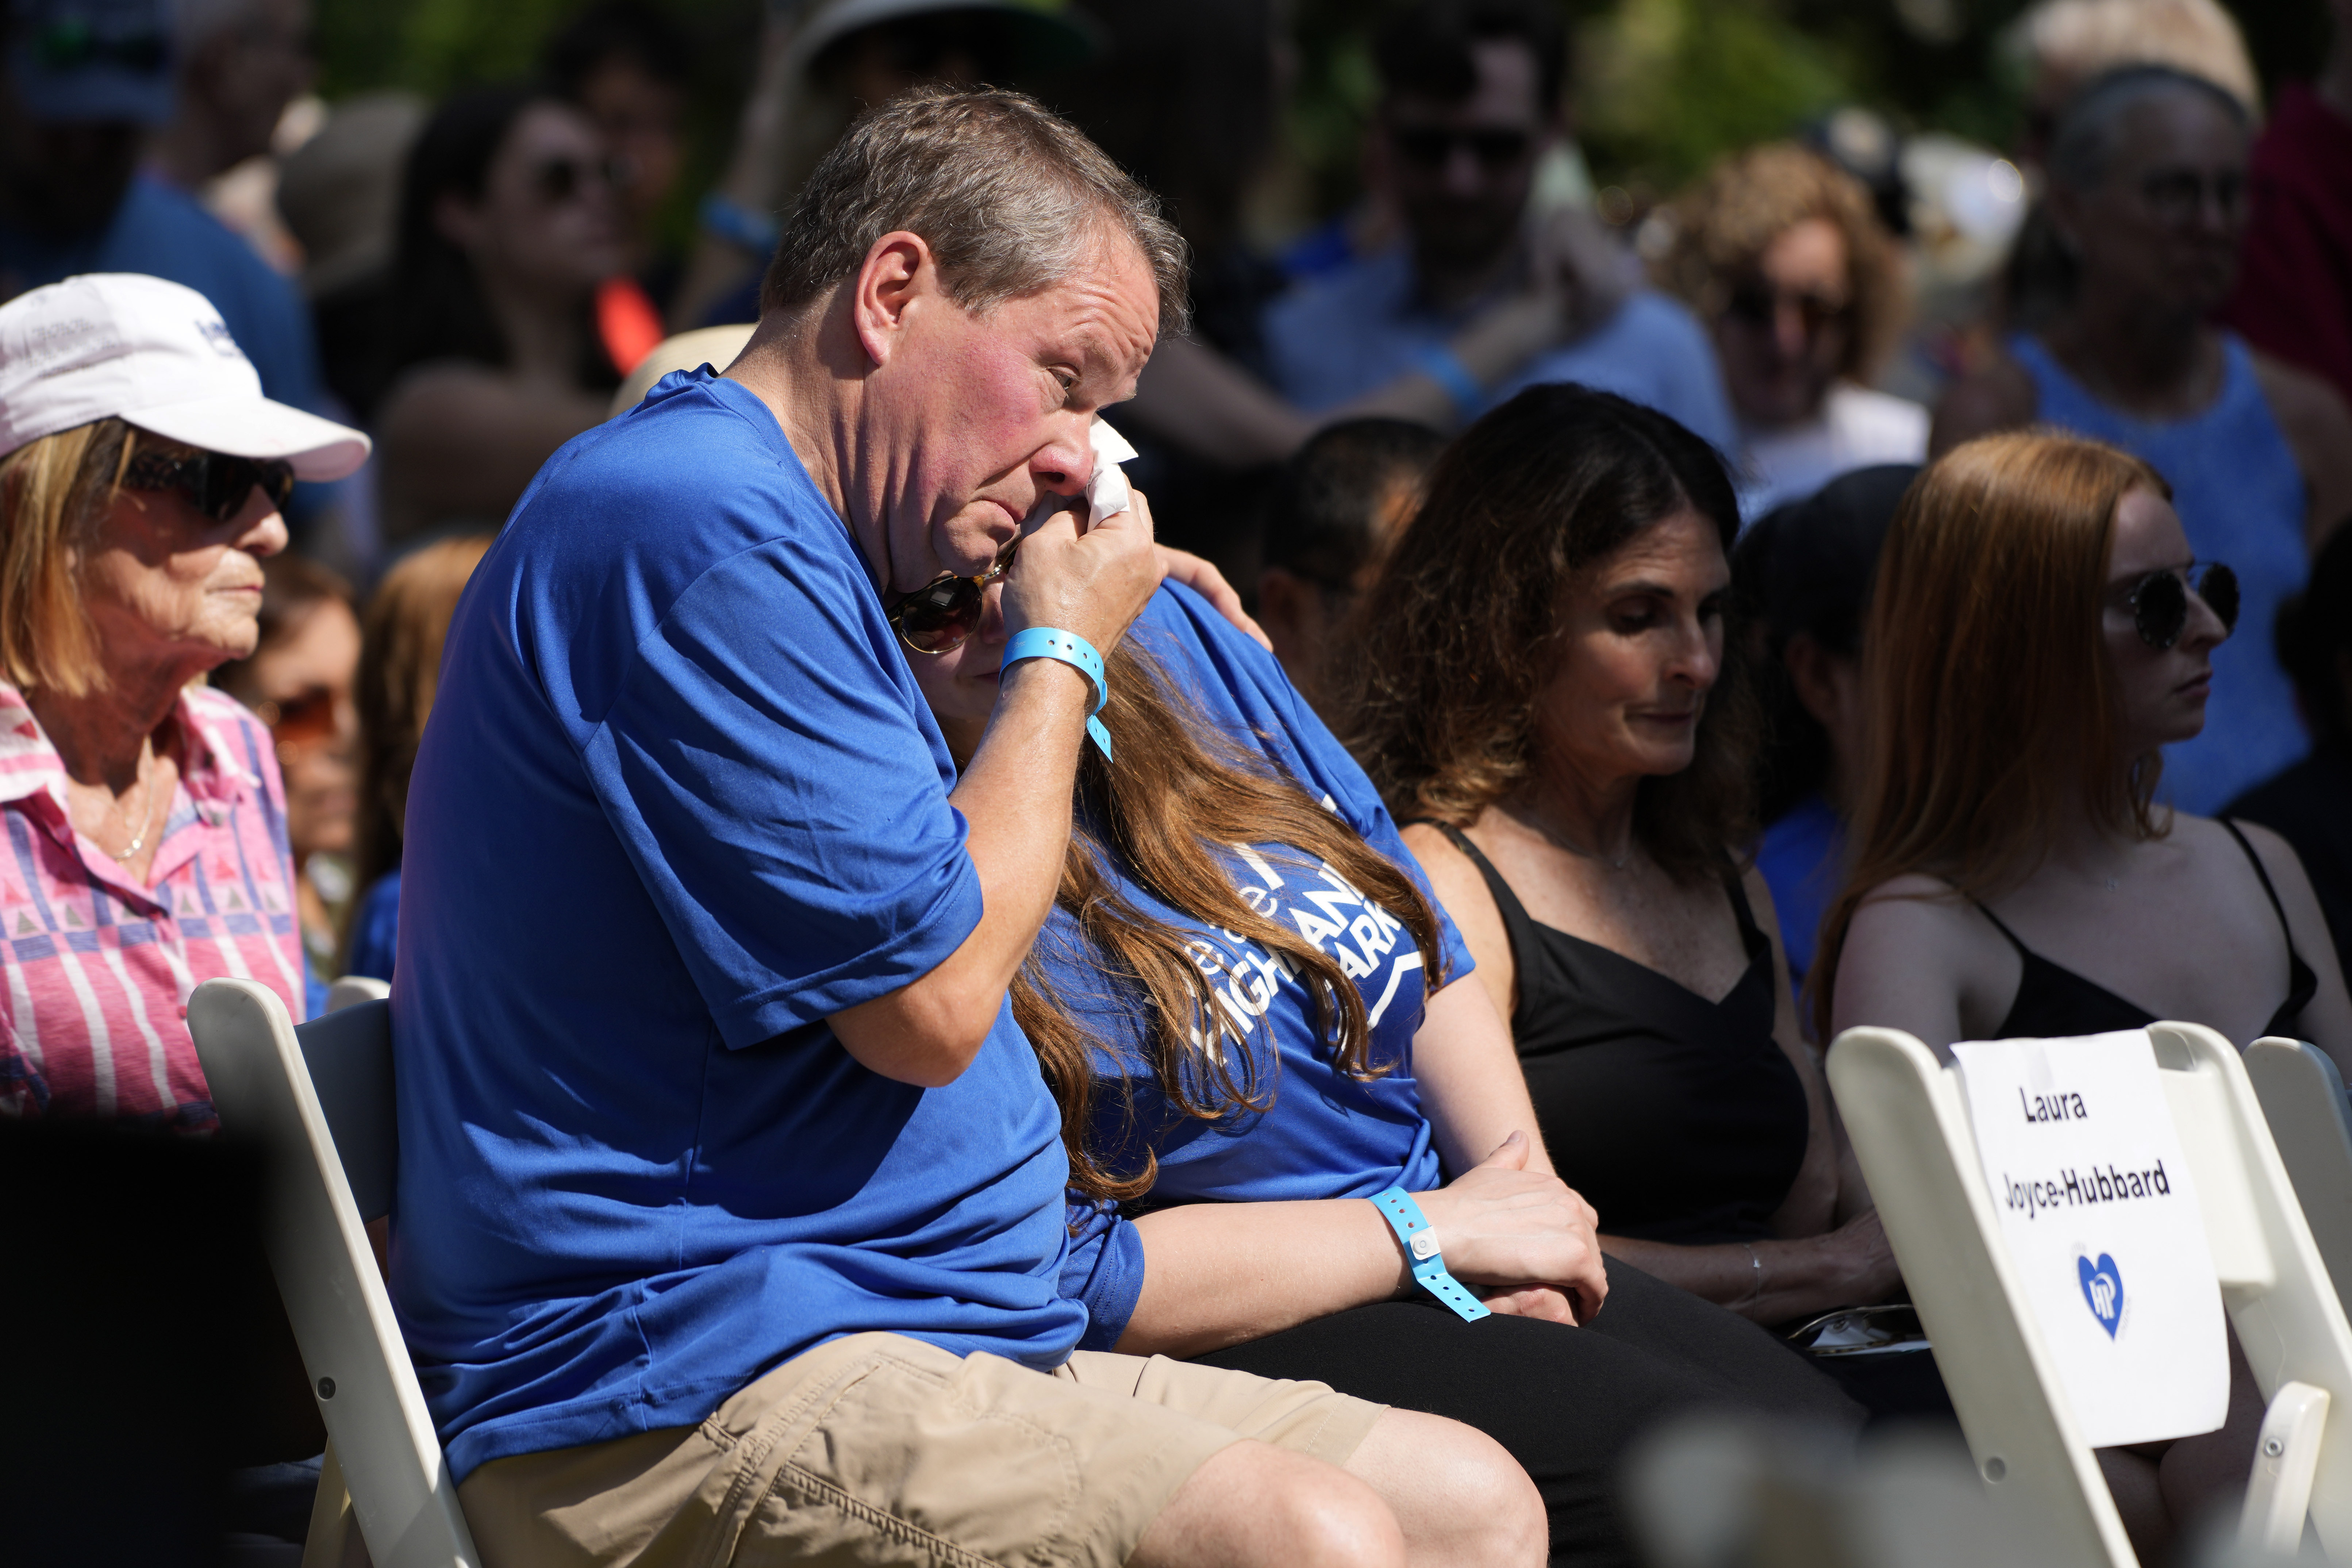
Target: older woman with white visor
<point>142,819</point>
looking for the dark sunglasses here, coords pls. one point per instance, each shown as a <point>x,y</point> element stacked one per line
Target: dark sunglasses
<point>2179,197</point>
<point>561,180</point>
<point>1758,305</point>
<point>300,721</point>
<point>1429,148</point>
<point>2160,601</point>
<point>939,616</point>
<point>215,483</point>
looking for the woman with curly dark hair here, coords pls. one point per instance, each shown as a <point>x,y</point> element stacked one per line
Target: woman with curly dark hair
<point>1263,1038</point>
<point>1544,688</point>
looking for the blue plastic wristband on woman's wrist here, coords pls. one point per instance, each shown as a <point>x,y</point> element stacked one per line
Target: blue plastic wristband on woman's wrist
<point>1068,647</point>
<point>1421,1250</point>
<point>1443,367</point>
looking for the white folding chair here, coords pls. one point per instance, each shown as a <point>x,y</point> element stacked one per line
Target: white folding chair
<point>321,1102</point>
<point>2303,1100</point>
<point>1909,1122</point>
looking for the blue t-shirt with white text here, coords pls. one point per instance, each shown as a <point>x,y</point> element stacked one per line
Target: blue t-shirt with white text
<point>1325,1134</point>
<point>680,802</point>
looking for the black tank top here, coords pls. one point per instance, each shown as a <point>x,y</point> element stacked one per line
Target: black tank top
<point>1678,1119</point>
<point>2053,1003</point>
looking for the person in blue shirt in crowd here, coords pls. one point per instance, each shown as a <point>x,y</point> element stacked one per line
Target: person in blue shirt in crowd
<point>88,79</point>
<point>1473,99</point>
<point>1255,1018</point>
<point>1806,567</point>
<point>2147,195</point>
<point>729,1223</point>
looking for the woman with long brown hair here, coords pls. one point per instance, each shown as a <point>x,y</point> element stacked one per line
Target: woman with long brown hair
<point>1546,684</point>
<point>1256,1020</point>
<point>2038,631</point>
<point>400,669</point>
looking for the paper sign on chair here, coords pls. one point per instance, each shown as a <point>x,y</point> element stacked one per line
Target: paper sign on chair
<point>2099,1210</point>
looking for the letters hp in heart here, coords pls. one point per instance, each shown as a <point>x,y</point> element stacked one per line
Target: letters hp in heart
<point>2103,1287</point>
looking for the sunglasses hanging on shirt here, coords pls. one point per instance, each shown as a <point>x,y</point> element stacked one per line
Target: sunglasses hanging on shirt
<point>2160,601</point>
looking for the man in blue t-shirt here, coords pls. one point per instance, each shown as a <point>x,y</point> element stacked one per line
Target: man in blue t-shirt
<point>729,1221</point>
<point>1471,101</point>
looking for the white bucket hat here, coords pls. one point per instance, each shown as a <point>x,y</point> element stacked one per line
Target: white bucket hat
<point>156,354</point>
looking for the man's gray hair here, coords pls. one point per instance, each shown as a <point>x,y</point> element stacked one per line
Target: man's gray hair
<point>2089,132</point>
<point>1011,199</point>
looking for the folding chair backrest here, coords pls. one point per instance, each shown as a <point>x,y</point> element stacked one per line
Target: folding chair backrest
<point>1910,1122</point>
<point>353,989</point>
<point>347,1052</point>
<point>2303,1100</point>
<point>382,1436</point>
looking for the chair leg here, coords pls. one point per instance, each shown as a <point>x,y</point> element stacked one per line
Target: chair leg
<point>333,1538</point>
<point>2278,1494</point>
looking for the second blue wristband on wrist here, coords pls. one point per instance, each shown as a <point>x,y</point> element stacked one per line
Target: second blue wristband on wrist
<point>1065,648</point>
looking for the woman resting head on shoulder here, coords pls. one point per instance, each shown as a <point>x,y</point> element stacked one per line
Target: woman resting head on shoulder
<point>1545,688</point>
<point>1254,1021</point>
<point>2039,633</point>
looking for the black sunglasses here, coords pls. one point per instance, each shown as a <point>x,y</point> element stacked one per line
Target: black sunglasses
<point>1428,147</point>
<point>215,483</point>
<point>1758,305</point>
<point>939,616</point>
<point>2160,601</point>
<point>561,180</point>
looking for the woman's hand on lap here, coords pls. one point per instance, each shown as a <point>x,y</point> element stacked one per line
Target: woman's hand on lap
<point>1503,1225</point>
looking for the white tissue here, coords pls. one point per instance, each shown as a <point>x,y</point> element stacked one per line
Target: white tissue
<point>1106,494</point>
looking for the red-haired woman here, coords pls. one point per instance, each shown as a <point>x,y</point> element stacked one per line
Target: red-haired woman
<point>1254,1021</point>
<point>2038,630</point>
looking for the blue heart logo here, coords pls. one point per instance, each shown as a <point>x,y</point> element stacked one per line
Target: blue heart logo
<point>2103,1287</point>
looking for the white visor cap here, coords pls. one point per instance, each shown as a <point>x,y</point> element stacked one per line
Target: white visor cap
<point>156,354</point>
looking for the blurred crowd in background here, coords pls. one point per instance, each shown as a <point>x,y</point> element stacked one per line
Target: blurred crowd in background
<point>1826,237</point>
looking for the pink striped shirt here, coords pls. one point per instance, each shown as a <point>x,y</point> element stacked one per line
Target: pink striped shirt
<point>97,969</point>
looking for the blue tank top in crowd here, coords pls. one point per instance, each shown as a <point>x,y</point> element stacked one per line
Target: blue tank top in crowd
<point>2241,499</point>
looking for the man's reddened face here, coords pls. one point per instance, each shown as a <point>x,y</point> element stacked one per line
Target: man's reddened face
<point>978,416</point>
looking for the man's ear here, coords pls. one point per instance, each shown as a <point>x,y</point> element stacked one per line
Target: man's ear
<point>899,270</point>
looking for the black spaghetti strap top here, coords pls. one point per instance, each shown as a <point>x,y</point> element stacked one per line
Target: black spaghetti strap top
<point>1678,1119</point>
<point>2056,1003</point>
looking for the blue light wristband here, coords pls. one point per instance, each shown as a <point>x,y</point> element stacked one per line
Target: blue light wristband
<point>1443,367</point>
<point>1420,1241</point>
<point>1067,647</point>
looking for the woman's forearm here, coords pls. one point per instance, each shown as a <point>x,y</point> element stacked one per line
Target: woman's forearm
<point>1768,1283</point>
<point>1219,1274</point>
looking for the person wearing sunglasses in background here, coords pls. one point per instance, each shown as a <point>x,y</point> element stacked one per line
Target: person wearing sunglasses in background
<point>299,682</point>
<point>1472,103</point>
<point>507,225</point>
<point>2147,197</point>
<point>2012,874</point>
<point>142,472</point>
<point>1782,256</point>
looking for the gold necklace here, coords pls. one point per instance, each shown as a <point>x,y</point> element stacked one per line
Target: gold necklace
<point>146,819</point>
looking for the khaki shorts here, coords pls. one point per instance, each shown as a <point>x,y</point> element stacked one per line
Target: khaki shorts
<point>882,1449</point>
